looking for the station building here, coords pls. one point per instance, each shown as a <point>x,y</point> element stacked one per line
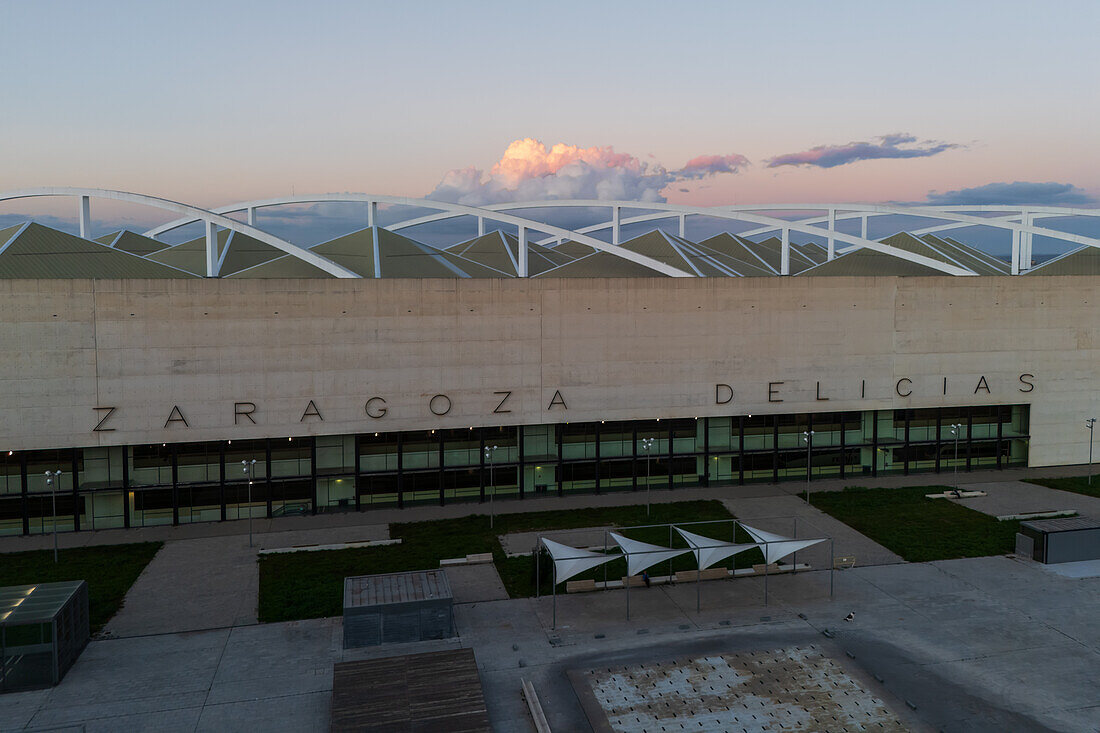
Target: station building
<point>165,395</point>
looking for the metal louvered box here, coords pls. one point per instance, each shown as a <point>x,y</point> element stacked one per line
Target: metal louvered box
<point>397,608</point>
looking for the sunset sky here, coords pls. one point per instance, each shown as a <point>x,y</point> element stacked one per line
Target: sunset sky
<point>704,103</point>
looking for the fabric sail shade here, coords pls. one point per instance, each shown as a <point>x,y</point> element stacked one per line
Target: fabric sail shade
<point>570,561</point>
<point>710,551</point>
<point>777,546</point>
<point>642,555</point>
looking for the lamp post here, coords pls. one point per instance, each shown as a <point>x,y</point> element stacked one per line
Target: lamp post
<point>1090,424</point>
<point>489,455</point>
<point>808,436</point>
<point>53,480</point>
<point>647,446</point>
<point>956,430</point>
<point>249,467</point>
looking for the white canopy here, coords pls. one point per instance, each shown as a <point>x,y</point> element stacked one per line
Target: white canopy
<point>642,555</point>
<point>569,561</point>
<point>709,551</point>
<point>778,546</point>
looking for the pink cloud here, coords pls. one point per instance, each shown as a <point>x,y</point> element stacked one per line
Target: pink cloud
<point>529,170</point>
<point>708,165</point>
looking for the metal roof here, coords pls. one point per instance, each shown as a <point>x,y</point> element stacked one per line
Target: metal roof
<point>35,604</point>
<point>380,590</point>
<point>1081,261</point>
<point>1061,524</point>
<point>38,252</point>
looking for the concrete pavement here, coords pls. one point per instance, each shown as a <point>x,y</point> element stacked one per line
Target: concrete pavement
<point>984,644</point>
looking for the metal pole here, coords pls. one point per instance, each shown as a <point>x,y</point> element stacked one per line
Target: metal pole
<point>626,581</point>
<point>537,553</point>
<point>832,565</point>
<point>1090,424</point>
<point>794,557</point>
<point>554,591</point>
<point>490,453</point>
<point>52,480</point>
<point>605,564</point>
<point>670,559</point>
<point>648,482</point>
<point>249,469</point>
<point>698,578</point>
<point>808,435</point>
<point>765,573</point>
<point>956,429</point>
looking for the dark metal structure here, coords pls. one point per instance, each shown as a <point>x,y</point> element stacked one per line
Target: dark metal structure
<point>43,629</point>
<point>397,608</point>
<point>1069,539</point>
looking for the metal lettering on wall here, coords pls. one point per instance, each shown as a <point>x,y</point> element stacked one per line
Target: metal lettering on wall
<point>377,407</point>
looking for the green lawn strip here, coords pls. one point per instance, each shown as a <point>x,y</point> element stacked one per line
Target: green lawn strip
<point>310,584</point>
<point>110,570</point>
<point>917,528</point>
<point>1076,484</point>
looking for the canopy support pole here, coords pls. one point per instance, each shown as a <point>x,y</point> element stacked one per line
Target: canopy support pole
<point>605,564</point>
<point>832,566</point>
<point>765,573</point>
<point>794,557</point>
<point>698,584</point>
<point>670,559</point>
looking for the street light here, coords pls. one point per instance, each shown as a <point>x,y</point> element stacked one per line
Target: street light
<point>249,469</point>
<point>53,480</point>
<point>490,451</point>
<point>647,446</point>
<point>808,436</point>
<point>1090,424</point>
<point>956,430</point>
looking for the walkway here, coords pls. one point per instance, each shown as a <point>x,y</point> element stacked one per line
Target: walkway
<point>211,582</point>
<point>1019,497</point>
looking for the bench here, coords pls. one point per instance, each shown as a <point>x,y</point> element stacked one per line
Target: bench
<point>844,561</point>
<point>772,569</point>
<point>580,586</point>
<point>690,576</point>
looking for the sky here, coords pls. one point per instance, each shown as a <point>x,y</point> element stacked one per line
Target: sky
<point>704,103</point>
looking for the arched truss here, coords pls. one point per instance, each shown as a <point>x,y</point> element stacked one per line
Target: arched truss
<point>193,214</point>
<point>1019,220</point>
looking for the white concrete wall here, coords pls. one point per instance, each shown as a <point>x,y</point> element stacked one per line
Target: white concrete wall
<point>616,349</point>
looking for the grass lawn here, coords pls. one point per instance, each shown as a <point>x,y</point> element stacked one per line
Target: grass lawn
<point>110,570</point>
<point>1076,484</point>
<point>310,584</point>
<point>916,528</point>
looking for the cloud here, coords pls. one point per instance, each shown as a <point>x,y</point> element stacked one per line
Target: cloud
<point>529,171</point>
<point>709,165</point>
<point>1017,192</point>
<point>895,145</point>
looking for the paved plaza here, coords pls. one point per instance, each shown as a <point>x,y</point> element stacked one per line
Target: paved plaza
<point>994,643</point>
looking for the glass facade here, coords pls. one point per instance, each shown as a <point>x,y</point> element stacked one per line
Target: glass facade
<point>180,483</point>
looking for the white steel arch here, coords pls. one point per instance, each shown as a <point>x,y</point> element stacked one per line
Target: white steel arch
<point>1018,220</point>
<point>452,211</point>
<point>497,212</point>
<point>195,214</point>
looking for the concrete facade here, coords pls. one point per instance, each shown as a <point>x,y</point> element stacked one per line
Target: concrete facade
<point>563,350</point>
